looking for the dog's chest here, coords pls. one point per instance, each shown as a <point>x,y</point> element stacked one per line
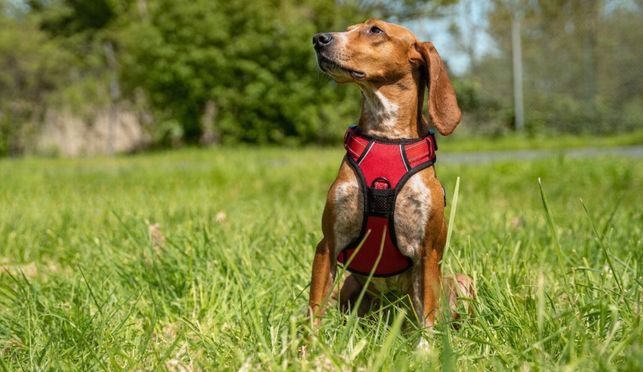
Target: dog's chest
<point>412,209</point>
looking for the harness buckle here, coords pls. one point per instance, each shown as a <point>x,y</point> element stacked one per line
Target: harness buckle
<point>380,198</point>
<point>381,183</point>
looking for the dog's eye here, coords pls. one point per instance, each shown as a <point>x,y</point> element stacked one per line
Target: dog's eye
<point>375,30</point>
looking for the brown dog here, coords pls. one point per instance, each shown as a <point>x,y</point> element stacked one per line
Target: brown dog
<point>391,67</point>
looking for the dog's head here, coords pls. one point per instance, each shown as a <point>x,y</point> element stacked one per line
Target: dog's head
<point>377,53</point>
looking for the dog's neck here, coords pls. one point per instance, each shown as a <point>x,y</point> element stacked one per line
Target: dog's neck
<point>392,110</point>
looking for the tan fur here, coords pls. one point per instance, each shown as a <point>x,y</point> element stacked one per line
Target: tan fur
<point>392,70</point>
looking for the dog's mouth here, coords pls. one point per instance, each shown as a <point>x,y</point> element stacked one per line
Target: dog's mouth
<point>331,67</point>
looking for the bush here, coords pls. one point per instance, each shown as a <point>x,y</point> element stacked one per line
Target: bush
<point>253,61</point>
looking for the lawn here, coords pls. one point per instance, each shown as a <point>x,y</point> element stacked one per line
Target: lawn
<point>83,284</point>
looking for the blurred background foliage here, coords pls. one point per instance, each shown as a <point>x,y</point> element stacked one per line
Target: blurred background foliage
<point>217,71</point>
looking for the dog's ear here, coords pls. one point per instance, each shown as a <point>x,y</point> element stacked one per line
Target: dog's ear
<point>442,103</point>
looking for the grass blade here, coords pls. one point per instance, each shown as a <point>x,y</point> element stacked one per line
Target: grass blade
<point>599,240</point>
<point>550,222</point>
<point>454,207</point>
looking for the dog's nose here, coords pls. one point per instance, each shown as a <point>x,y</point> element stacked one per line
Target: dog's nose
<point>322,39</point>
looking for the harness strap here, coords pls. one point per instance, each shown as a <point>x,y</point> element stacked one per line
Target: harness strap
<point>355,146</point>
<point>422,151</point>
<point>414,152</point>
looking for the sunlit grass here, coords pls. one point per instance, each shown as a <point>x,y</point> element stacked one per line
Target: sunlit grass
<point>84,286</point>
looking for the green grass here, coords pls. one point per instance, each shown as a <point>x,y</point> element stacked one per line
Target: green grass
<point>82,286</point>
<point>538,142</point>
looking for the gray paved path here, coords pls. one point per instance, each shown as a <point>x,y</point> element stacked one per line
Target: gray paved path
<point>492,156</point>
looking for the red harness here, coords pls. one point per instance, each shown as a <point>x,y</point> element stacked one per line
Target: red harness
<point>383,166</point>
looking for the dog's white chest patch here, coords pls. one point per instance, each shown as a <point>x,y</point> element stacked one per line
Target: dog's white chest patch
<point>411,215</point>
<point>381,113</point>
<point>386,111</point>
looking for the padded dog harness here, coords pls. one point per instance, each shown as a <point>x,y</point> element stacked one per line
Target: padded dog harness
<point>383,166</point>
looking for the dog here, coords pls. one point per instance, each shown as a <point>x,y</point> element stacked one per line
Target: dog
<point>384,214</point>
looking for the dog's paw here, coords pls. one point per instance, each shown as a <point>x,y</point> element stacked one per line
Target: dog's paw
<point>461,294</point>
<point>423,346</point>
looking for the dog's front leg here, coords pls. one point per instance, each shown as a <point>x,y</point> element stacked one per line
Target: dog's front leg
<point>426,292</point>
<point>323,276</point>
<point>341,223</point>
<point>427,281</point>
<point>430,287</point>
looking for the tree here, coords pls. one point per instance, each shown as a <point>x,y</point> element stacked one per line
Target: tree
<point>252,62</point>
<point>31,67</point>
<point>570,51</point>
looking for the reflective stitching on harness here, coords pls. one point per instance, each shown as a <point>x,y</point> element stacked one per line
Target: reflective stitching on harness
<point>354,153</point>
<point>350,141</point>
<point>368,149</point>
<point>412,146</point>
<point>406,166</point>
